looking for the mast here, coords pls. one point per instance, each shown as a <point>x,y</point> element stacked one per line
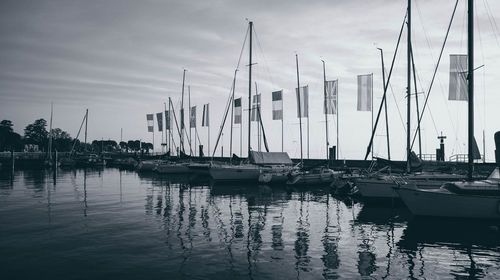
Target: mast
<point>408,91</point>
<point>182,112</point>
<point>325,107</point>
<point>189,98</point>
<point>170,130</point>
<point>86,121</point>
<point>232,116</point>
<point>249,84</point>
<point>470,53</point>
<point>50,131</point>
<point>385,105</point>
<point>300,113</point>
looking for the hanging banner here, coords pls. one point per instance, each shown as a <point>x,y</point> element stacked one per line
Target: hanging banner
<point>167,120</point>
<point>150,122</point>
<point>237,111</point>
<point>204,120</point>
<point>277,105</point>
<point>159,121</point>
<point>458,77</point>
<point>331,97</point>
<point>365,92</point>
<point>303,100</point>
<point>255,106</point>
<point>192,117</point>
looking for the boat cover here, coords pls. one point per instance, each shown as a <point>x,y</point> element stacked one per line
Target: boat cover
<point>270,158</point>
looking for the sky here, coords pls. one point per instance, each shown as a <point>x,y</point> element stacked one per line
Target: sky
<point>122,59</point>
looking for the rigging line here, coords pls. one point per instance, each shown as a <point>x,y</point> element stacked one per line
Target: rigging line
<point>266,65</point>
<point>482,57</point>
<point>423,93</point>
<point>437,65</point>
<point>228,105</point>
<point>384,97</point>
<point>492,21</point>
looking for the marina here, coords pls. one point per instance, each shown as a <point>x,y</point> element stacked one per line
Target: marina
<point>321,161</point>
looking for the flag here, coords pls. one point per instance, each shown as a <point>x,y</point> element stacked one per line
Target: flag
<point>303,100</point>
<point>365,92</point>
<point>458,77</point>
<point>204,120</point>
<point>182,118</point>
<point>237,111</point>
<point>331,97</point>
<point>150,121</point>
<point>192,117</point>
<point>167,120</point>
<point>255,106</point>
<point>159,120</point>
<point>278,105</point>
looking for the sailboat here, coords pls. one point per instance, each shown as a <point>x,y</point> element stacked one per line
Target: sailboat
<point>478,199</point>
<point>257,162</point>
<point>380,186</point>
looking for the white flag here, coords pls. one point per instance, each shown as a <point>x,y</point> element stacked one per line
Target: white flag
<point>204,120</point>
<point>150,121</point>
<point>331,97</point>
<point>255,107</point>
<point>237,111</point>
<point>365,92</point>
<point>278,105</point>
<point>303,100</point>
<point>159,120</point>
<point>458,77</point>
<point>192,117</point>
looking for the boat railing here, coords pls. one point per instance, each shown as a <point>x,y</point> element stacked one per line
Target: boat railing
<point>463,158</point>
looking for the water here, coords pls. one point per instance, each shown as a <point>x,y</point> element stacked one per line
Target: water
<point>122,225</point>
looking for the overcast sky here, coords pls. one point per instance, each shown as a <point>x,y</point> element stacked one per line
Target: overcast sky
<point>122,59</point>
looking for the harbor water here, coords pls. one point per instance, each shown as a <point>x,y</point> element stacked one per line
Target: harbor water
<point>113,224</point>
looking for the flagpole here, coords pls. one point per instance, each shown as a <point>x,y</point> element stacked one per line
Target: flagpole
<point>372,106</point>
<point>162,134</point>
<point>325,107</point>
<point>300,111</point>
<point>307,126</point>
<point>337,108</point>
<point>208,126</point>
<point>282,117</point>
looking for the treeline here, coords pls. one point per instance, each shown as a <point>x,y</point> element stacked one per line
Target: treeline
<point>37,135</point>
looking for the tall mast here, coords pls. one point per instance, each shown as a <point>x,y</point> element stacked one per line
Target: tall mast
<point>300,113</point>
<point>86,121</point>
<point>408,91</point>
<point>232,116</point>
<point>325,107</point>
<point>182,112</point>
<point>385,105</point>
<point>189,98</point>
<point>470,53</point>
<point>170,130</point>
<point>50,130</point>
<point>249,84</point>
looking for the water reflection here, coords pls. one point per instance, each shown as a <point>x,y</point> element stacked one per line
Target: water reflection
<point>180,227</point>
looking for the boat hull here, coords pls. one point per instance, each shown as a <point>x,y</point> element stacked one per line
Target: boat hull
<point>175,168</point>
<point>235,173</point>
<point>441,203</point>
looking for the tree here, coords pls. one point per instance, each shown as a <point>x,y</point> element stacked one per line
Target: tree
<point>124,146</point>
<point>8,138</point>
<point>36,133</point>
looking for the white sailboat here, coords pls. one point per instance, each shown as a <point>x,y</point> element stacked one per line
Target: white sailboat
<point>478,199</point>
